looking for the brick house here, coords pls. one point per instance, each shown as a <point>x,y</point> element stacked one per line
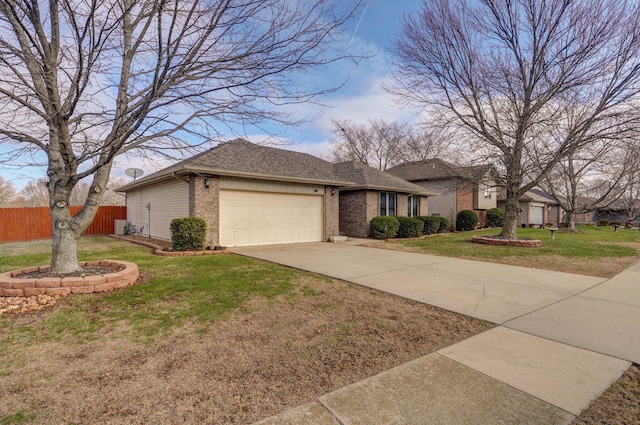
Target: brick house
<point>458,188</point>
<point>256,195</point>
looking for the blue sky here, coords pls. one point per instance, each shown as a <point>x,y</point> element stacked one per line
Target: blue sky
<point>361,98</point>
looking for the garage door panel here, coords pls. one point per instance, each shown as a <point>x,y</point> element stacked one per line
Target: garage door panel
<point>262,218</point>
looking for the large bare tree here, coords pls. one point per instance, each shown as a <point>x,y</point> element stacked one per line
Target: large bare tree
<point>81,82</point>
<point>381,144</point>
<point>528,81</point>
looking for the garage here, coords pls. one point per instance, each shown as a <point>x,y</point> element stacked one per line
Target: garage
<point>537,215</point>
<point>262,218</point>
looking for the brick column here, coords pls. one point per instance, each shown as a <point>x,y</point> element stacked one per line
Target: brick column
<point>331,212</point>
<point>204,202</point>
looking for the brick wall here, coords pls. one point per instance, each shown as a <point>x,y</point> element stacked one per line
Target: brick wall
<point>353,210</point>
<point>424,205</point>
<point>464,196</point>
<point>331,212</point>
<point>204,203</point>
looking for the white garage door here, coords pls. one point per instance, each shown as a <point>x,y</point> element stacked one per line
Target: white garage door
<point>263,218</point>
<point>537,215</point>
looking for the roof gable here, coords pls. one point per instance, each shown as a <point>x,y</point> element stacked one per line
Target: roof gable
<point>370,178</point>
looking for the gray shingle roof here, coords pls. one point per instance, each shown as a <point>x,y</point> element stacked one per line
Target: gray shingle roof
<point>242,158</point>
<point>366,177</point>
<point>437,169</point>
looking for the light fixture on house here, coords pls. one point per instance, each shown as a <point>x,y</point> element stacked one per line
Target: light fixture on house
<point>333,192</point>
<point>207,182</point>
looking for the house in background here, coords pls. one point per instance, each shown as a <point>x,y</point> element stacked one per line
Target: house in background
<point>256,195</point>
<point>536,208</point>
<point>458,188</point>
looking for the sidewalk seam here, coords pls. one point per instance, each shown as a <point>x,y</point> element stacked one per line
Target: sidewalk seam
<point>326,408</point>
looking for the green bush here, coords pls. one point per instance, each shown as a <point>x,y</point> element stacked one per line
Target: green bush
<point>466,220</point>
<point>444,224</point>
<point>603,222</point>
<point>410,227</point>
<point>188,234</point>
<point>384,227</point>
<point>616,223</point>
<point>430,224</point>
<point>495,217</point>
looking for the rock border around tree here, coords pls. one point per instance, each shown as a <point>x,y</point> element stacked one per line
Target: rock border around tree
<point>11,285</point>
<point>521,243</point>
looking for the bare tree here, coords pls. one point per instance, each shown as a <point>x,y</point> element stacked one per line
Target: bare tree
<point>7,192</point>
<point>527,81</point>
<point>82,82</point>
<point>35,193</point>
<point>381,145</point>
<point>569,182</point>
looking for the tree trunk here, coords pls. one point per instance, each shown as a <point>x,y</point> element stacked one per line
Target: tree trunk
<point>511,215</point>
<point>570,220</point>
<point>64,248</point>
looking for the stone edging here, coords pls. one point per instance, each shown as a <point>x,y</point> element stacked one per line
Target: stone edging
<point>523,243</point>
<point>10,286</point>
<point>158,250</point>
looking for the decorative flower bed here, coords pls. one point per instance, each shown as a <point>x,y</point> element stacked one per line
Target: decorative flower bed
<point>123,274</point>
<point>523,243</point>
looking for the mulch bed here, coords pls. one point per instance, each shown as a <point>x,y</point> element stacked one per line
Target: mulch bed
<point>84,271</point>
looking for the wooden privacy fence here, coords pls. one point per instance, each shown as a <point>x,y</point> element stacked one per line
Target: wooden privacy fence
<point>25,224</point>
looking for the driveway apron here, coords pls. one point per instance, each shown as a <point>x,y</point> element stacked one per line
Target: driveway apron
<point>561,339</point>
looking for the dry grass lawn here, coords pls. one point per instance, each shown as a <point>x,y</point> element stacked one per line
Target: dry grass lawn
<point>268,356</point>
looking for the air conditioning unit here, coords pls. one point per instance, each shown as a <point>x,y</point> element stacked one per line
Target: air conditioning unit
<point>119,227</point>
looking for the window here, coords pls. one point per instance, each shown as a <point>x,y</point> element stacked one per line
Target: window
<point>413,206</point>
<point>487,191</point>
<point>388,203</point>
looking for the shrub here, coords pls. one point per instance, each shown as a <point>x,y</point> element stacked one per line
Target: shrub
<point>495,217</point>
<point>410,227</point>
<point>466,220</point>
<point>444,224</point>
<point>616,223</point>
<point>188,234</point>
<point>430,224</point>
<point>590,224</point>
<point>383,227</point>
<point>603,222</point>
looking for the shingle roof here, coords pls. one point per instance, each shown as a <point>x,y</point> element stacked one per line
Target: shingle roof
<point>366,177</point>
<point>437,169</point>
<point>533,195</point>
<point>242,158</point>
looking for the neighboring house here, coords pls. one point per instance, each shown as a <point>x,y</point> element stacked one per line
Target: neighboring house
<point>458,188</point>
<point>256,195</point>
<point>536,208</point>
<point>617,211</point>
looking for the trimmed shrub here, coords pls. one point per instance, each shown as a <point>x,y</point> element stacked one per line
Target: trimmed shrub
<point>495,217</point>
<point>410,227</point>
<point>466,220</point>
<point>616,223</point>
<point>430,224</point>
<point>603,222</point>
<point>188,234</point>
<point>384,227</point>
<point>444,224</point>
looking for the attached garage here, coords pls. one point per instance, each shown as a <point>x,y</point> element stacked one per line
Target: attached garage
<point>263,218</point>
<point>536,214</point>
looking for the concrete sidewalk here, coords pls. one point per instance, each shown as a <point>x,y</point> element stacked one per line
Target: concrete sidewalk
<point>563,339</point>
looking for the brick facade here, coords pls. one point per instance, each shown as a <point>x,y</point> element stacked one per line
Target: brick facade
<point>331,212</point>
<point>204,203</point>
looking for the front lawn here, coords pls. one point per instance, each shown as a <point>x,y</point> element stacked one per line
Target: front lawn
<point>595,251</point>
<point>212,339</point>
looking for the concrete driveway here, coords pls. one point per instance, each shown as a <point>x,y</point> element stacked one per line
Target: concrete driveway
<point>562,339</point>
